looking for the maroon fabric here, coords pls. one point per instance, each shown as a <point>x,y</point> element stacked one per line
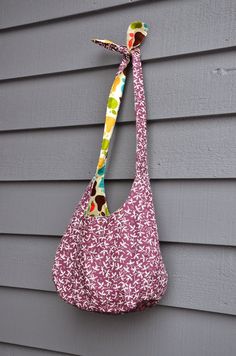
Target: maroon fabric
<point>113,264</point>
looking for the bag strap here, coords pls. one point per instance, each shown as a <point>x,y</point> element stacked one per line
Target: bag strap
<point>136,33</point>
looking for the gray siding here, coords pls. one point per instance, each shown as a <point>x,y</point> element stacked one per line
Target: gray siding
<point>14,13</point>
<point>177,28</point>
<point>16,350</point>
<point>54,84</point>
<point>187,86</point>
<point>52,324</point>
<point>190,288</point>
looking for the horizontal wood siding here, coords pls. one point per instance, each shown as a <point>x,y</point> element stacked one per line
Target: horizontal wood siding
<point>196,148</point>
<point>14,13</point>
<point>189,211</point>
<point>190,286</point>
<point>176,28</point>
<point>16,350</point>
<point>203,85</point>
<point>52,324</point>
<point>54,84</point>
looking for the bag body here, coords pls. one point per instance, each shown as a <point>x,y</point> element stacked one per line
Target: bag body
<point>111,262</point>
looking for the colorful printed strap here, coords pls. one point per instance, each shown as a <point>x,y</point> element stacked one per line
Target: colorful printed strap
<point>136,33</point>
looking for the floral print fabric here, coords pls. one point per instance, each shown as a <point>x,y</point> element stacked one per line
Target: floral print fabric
<point>113,264</point>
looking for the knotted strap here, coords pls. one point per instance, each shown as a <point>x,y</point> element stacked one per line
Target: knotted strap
<point>136,33</point>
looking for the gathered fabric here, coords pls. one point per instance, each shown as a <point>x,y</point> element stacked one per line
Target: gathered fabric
<point>111,262</point>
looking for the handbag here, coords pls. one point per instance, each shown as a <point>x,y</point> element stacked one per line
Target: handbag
<point>111,262</point>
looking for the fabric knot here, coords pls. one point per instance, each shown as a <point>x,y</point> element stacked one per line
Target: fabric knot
<point>136,33</point>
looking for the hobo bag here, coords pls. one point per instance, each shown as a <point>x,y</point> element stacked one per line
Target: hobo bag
<point>111,262</point>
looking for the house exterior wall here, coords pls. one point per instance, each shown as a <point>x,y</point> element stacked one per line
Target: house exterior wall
<point>54,84</point>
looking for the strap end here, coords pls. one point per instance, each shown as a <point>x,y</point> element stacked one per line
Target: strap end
<point>98,40</point>
<point>136,33</point>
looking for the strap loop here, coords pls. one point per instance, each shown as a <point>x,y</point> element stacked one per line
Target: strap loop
<point>136,33</point>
